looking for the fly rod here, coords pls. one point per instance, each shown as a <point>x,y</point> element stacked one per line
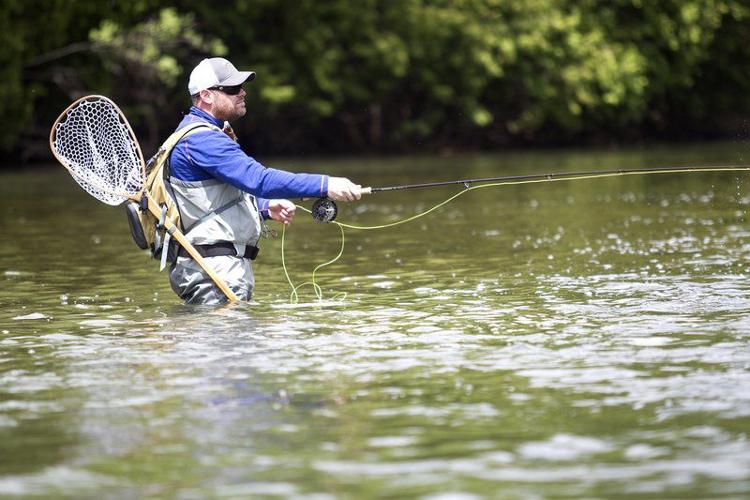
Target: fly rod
<point>325,210</point>
<point>511,179</point>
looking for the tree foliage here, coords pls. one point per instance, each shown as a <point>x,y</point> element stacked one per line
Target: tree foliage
<point>381,75</point>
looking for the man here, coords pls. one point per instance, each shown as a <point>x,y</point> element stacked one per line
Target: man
<point>223,194</point>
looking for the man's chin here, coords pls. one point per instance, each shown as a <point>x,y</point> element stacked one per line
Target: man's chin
<point>238,113</point>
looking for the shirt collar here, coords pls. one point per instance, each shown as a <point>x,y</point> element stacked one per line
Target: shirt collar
<point>206,116</point>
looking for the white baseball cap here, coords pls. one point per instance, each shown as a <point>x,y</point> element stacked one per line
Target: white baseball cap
<point>214,72</point>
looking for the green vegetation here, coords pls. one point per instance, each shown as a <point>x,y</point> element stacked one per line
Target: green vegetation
<point>383,75</point>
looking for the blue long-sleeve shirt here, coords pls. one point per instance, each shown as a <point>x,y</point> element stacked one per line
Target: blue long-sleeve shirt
<point>212,154</point>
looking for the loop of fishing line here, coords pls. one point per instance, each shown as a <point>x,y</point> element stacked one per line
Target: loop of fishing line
<point>294,296</point>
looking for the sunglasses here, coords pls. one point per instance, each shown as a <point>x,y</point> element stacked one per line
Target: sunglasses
<point>228,89</point>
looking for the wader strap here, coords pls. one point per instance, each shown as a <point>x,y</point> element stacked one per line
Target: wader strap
<point>163,216</point>
<point>171,142</point>
<point>220,249</point>
<point>165,249</point>
<point>211,215</point>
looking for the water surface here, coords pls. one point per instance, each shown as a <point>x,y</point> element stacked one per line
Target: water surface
<point>571,339</point>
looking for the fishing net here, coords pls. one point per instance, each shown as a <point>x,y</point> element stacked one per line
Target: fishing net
<point>94,141</point>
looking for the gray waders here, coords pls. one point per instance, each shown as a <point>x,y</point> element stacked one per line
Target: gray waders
<point>224,221</point>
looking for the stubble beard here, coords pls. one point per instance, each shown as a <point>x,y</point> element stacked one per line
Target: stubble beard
<point>229,110</point>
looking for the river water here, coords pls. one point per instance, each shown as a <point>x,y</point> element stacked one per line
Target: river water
<point>571,339</point>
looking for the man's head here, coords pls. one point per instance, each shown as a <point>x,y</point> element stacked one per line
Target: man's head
<point>216,87</point>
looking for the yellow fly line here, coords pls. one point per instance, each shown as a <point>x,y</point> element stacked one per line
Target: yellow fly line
<point>294,295</point>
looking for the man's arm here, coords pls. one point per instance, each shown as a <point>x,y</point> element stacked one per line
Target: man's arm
<point>263,208</point>
<point>222,158</point>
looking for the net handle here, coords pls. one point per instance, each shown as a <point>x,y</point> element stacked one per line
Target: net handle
<point>183,241</point>
<point>152,206</point>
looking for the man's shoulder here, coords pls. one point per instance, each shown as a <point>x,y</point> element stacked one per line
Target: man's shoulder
<point>200,134</point>
<point>201,128</point>
<point>209,143</point>
<point>198,124</point>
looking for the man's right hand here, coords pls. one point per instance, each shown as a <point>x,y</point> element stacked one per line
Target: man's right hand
<point>342,189</point>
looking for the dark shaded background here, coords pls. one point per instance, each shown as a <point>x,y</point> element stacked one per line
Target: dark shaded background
<point>379,76</point>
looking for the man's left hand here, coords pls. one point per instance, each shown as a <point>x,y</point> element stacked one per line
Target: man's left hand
<point>282,210</point>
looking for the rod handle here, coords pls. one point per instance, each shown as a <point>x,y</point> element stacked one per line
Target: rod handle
<point>366,190</point>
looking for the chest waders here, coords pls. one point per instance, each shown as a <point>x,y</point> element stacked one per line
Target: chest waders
<point>150,232</point>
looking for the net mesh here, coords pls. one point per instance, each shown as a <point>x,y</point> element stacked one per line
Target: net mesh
<point>94,142</point>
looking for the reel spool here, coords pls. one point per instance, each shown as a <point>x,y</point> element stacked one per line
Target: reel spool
<point>324,210</point>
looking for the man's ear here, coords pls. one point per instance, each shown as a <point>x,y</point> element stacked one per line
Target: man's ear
<point>207,96</point>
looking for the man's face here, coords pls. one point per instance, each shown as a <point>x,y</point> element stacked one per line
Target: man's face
<point>228,107</point>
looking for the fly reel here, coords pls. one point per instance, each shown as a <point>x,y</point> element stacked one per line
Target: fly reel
<point>324,210</point>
